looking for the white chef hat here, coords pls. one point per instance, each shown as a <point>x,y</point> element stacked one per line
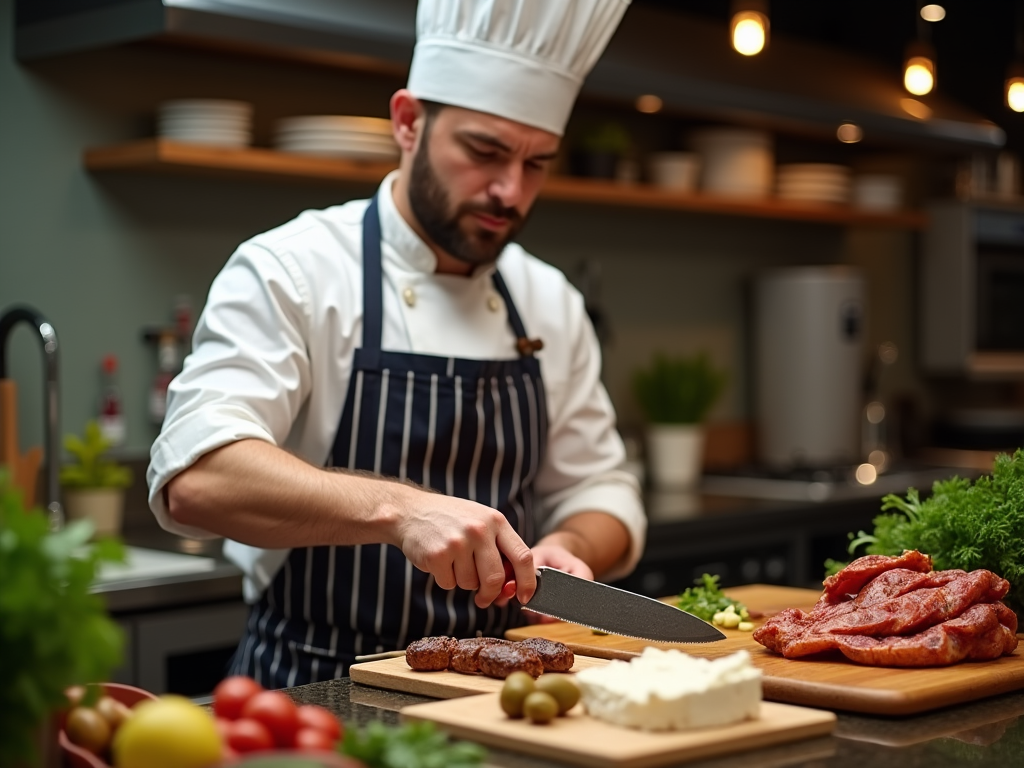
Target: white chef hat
<point>524,60</point>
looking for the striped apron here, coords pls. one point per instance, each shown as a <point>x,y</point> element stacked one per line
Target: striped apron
<point>474,429</point>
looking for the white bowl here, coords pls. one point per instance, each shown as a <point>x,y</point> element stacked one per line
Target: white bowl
<point>674,170</point>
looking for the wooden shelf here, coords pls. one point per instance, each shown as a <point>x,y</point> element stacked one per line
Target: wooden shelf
<point>161,156</point>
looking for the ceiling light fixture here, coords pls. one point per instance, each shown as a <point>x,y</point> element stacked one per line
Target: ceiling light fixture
<point>849,133</point>
<point>919,69</point>
<point>1014,88</point>
<point>933,12</point>
<point>748,29</point>
<point>649,104</point>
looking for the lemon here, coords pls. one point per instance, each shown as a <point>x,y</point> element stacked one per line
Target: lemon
<point>170,732</point>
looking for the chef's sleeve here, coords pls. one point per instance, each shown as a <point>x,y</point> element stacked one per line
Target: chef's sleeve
<point>581,471</point>
<point>248,374</point>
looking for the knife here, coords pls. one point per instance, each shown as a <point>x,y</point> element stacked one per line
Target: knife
<point>616,611</point>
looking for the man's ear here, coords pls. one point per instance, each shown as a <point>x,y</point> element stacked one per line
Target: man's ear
<point>406,119</point>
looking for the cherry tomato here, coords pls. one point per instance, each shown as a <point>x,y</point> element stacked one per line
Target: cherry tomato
<point>231,694</point>
<point>245,735</point>
<point>312,716</point>
<point>277,712</point>
<point>314,739</point>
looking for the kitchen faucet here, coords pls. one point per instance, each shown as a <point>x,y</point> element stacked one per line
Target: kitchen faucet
<point>51,403</point>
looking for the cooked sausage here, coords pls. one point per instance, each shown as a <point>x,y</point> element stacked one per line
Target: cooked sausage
<point>555,656</point>
<point>430,654</point>
<point>465,653</point>
<point>500,661</point>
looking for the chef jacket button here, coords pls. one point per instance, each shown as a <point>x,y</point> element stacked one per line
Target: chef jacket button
<point>492,303</point>
<point>410,297</point>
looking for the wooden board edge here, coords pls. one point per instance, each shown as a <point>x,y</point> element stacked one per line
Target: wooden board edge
<point>436,690</point>
<point>819,723</point>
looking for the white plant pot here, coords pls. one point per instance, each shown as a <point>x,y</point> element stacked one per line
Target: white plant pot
<point>104,506</point>
<point>675,454</point>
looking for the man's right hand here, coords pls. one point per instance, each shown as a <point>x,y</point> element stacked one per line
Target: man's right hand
<point>462,543</point>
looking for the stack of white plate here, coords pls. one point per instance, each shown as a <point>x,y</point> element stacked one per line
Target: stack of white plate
<point>206,121</point>
<point>878,192</point>
<point>814,182</point>
<point>735,162</point>
<point>355,138</point>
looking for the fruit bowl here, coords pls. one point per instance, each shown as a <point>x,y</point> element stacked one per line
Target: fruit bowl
<point>79,757</point>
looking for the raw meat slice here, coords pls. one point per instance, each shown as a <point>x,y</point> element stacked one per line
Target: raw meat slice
<point>862,570</point>
<point>976,634</point>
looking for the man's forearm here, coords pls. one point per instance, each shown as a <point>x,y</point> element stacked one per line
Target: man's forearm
<point>597,538</point>
<point>259,494</point>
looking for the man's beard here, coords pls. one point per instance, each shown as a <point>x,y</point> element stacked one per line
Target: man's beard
<point>430,204</point>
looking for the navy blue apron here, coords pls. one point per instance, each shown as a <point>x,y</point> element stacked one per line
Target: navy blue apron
<point>474,429</point>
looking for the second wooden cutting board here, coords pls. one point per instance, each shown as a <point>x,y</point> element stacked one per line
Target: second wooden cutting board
<point>832,684</point>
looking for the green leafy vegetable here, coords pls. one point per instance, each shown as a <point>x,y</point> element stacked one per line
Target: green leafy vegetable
<point>707,599</point>
<point>93,469</point>
<point>53,632</point>
<point>412,745</point>
<point>961,525</point>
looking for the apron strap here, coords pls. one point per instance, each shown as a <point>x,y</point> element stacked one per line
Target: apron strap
<point>373,303</point>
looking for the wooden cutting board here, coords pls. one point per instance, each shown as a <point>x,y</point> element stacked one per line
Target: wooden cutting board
<point>831,683</point>
<point>396,675</point>
<point>583,740</point>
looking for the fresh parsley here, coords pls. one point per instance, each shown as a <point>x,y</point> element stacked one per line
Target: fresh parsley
<point>53,632</point>
<point>961,525</point>
<point>412,745</point>
<point>706,599</point>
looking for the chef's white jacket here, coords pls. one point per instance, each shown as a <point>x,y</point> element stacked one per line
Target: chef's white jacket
<point>273,353</point>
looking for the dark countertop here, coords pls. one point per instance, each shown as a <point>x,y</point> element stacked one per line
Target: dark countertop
<point>985,734</point>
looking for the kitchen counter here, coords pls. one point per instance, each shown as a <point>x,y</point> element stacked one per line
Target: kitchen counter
<point>222,581</point>
<point>984,734</point>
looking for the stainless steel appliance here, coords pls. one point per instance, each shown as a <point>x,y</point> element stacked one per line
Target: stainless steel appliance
<point>808,334</point>
<point>972,290</point>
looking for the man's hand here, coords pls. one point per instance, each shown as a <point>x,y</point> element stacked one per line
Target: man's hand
<point>553,556</point>
<point>462,543</point>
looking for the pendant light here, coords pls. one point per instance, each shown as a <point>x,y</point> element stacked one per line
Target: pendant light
<point>1015,74</point>
<point>748,29</point>
<point>919,62</point>
<point>919,68</point>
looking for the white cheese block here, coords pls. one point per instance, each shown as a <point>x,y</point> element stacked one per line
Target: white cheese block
<point>670,690</point>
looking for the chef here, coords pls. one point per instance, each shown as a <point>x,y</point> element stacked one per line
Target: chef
<point>393,413</point>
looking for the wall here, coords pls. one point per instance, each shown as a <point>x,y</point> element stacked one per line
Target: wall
<point>105,255</point>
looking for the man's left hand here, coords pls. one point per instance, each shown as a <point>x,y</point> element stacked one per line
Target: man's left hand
<point>553,556</point>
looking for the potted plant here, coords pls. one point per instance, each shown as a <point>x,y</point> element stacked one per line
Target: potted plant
<point>94,486</point>
<point>53,633</point>
<point>675,395</point>
<point>599,150</point>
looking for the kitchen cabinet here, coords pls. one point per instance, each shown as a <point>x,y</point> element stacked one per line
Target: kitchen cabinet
<point>166,157</point>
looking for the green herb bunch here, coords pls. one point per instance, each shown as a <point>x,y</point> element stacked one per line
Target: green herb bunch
<point>53,632</point>
<point>678,390</point>
<point>412,745</point>
<point>706,599</point>
<point>961,525</point>
<point>93,469</point>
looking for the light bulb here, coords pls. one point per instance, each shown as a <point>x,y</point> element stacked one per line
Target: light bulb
<point>919,75</point>
<point>1015,94</point>
<point>649,103</point>
<point>933,12</point>
<point>749,32</point>
<point>849,133</point>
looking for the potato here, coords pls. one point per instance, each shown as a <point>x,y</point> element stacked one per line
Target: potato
<point>88,729</point>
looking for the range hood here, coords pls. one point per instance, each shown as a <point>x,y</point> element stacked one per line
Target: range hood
<point>685,61</point>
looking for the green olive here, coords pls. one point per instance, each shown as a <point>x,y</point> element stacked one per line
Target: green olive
<point>517,687</point>
<point>562,689</point>
<point>540,707</point>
